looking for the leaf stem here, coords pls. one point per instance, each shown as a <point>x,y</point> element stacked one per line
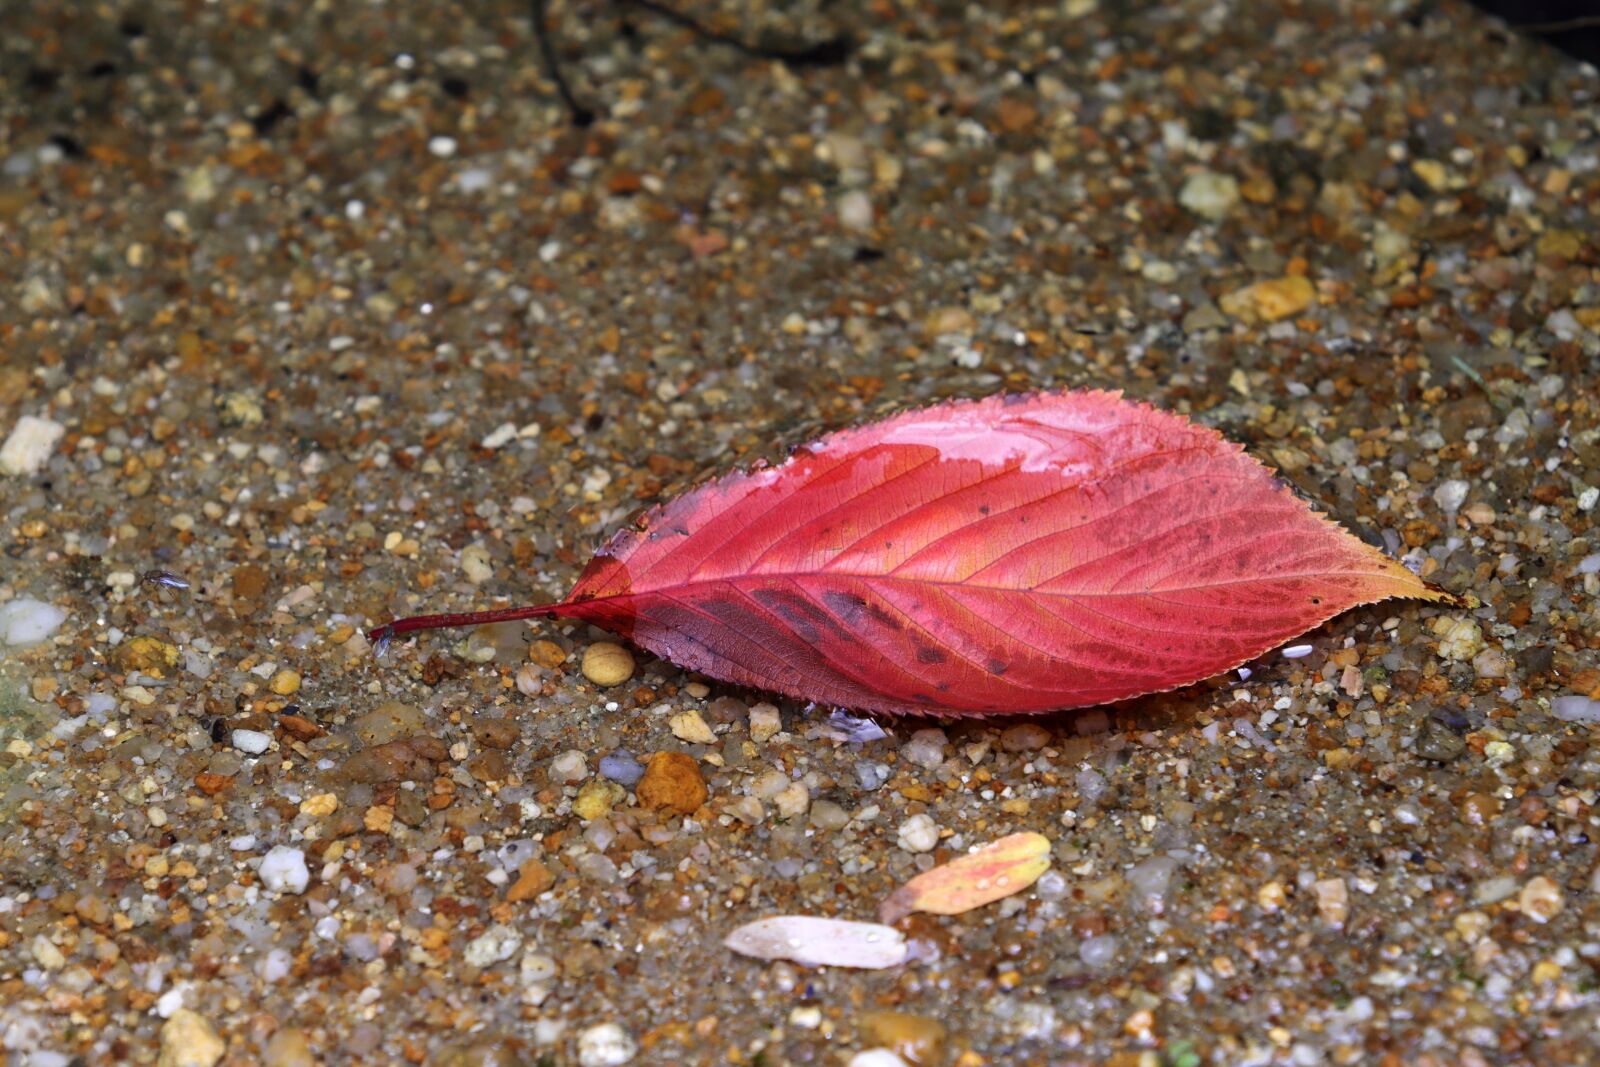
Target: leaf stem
<point>380,636</point>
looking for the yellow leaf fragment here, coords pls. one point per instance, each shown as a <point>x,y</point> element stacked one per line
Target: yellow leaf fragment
<point>996,870</point>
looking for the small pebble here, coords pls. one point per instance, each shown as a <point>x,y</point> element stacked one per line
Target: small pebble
<point>596,799</point>
<point>1210,195</point>
<point>254,742</point>
<point>476,564</point>
<point>689,726</point>
<point>28,447</point>
<point>1271,300</point>
<point>606,1045</point>
<point>876,1057</point>
<point>285,683</point>
<point>606,663</point>
<point>570,766</point>
<point>1025,737</point>
<point>925,748</point>
<point>1541,899</point>
<point>499,942</point>
<point>672,782</point>
<point>764,723</point>
<point>621,768</point>
<point>1099,951</point>
<point>188,1040</point>
<point>826,815</point>
<point>288,1048</point>
<point>793,801</point>
<point>283,870</point>
<point>917,1038</point>
<point>46,954</point>
<point>1333,901</point>
<point>1450,495</point>
<point>918,834</point>
<point>855,211</point>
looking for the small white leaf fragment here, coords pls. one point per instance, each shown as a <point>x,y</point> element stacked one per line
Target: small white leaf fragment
<point>815,942</point>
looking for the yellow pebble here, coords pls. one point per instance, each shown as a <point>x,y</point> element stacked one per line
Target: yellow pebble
<point>607,663</point>
<point>321,804</point>
<point>597,799</point>
<point>285,682</point>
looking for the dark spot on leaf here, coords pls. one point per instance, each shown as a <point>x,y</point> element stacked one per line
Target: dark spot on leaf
<point>849,605</point>
<point>807,619</point>
<point>983,509</point>
<point>997,666</point>
<point>929,654</point>
<point>882,617</point>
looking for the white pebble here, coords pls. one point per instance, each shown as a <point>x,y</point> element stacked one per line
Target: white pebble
<point>570,766</point>
<point>606,1045</point>
<point>1150,878</point>
<point>25,621</point>
<point>476,564</point>
<point>30,444</point>
<point>1451,495</point>
<point>1210,195</point>
<point>500,436</point>
<point>1575,708</point>
<point>919,834</point>
<point>876,1057</point>
<point>474,180</point>
<point>855,211</point>
<point>499,942</point>
<point>925,748</point>
<point>47,955</point>
<point>1098,951</point>
<point>764,722</point>
<point>252,741</point>
<point>283,870</point>
<point>442,146</point>
<point>275,965</point>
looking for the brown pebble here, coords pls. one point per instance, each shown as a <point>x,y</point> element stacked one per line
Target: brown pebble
<point>412,758</point>
<point>299,727</point>
<point>547,654</point>
<point>916,1039</point>
<point>288,1048</point>
<point>212,784</point>
<point>496,733</point>
<point>533,878</point>
<point>672,782</point>
<point>1025,737</point>
<point>1016,116</point>
<point>249,582</point>
<point>489,766</point>
<point>387,722</point>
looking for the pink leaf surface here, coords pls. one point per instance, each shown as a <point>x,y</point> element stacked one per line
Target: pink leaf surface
<point>1010,555</point>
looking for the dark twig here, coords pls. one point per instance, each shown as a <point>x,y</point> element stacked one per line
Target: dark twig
<point>581,116</point>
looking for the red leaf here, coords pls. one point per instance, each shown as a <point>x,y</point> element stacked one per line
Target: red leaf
<point>1014,554</point>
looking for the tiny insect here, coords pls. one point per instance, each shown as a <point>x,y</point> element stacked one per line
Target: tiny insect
<point>166,578</point>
